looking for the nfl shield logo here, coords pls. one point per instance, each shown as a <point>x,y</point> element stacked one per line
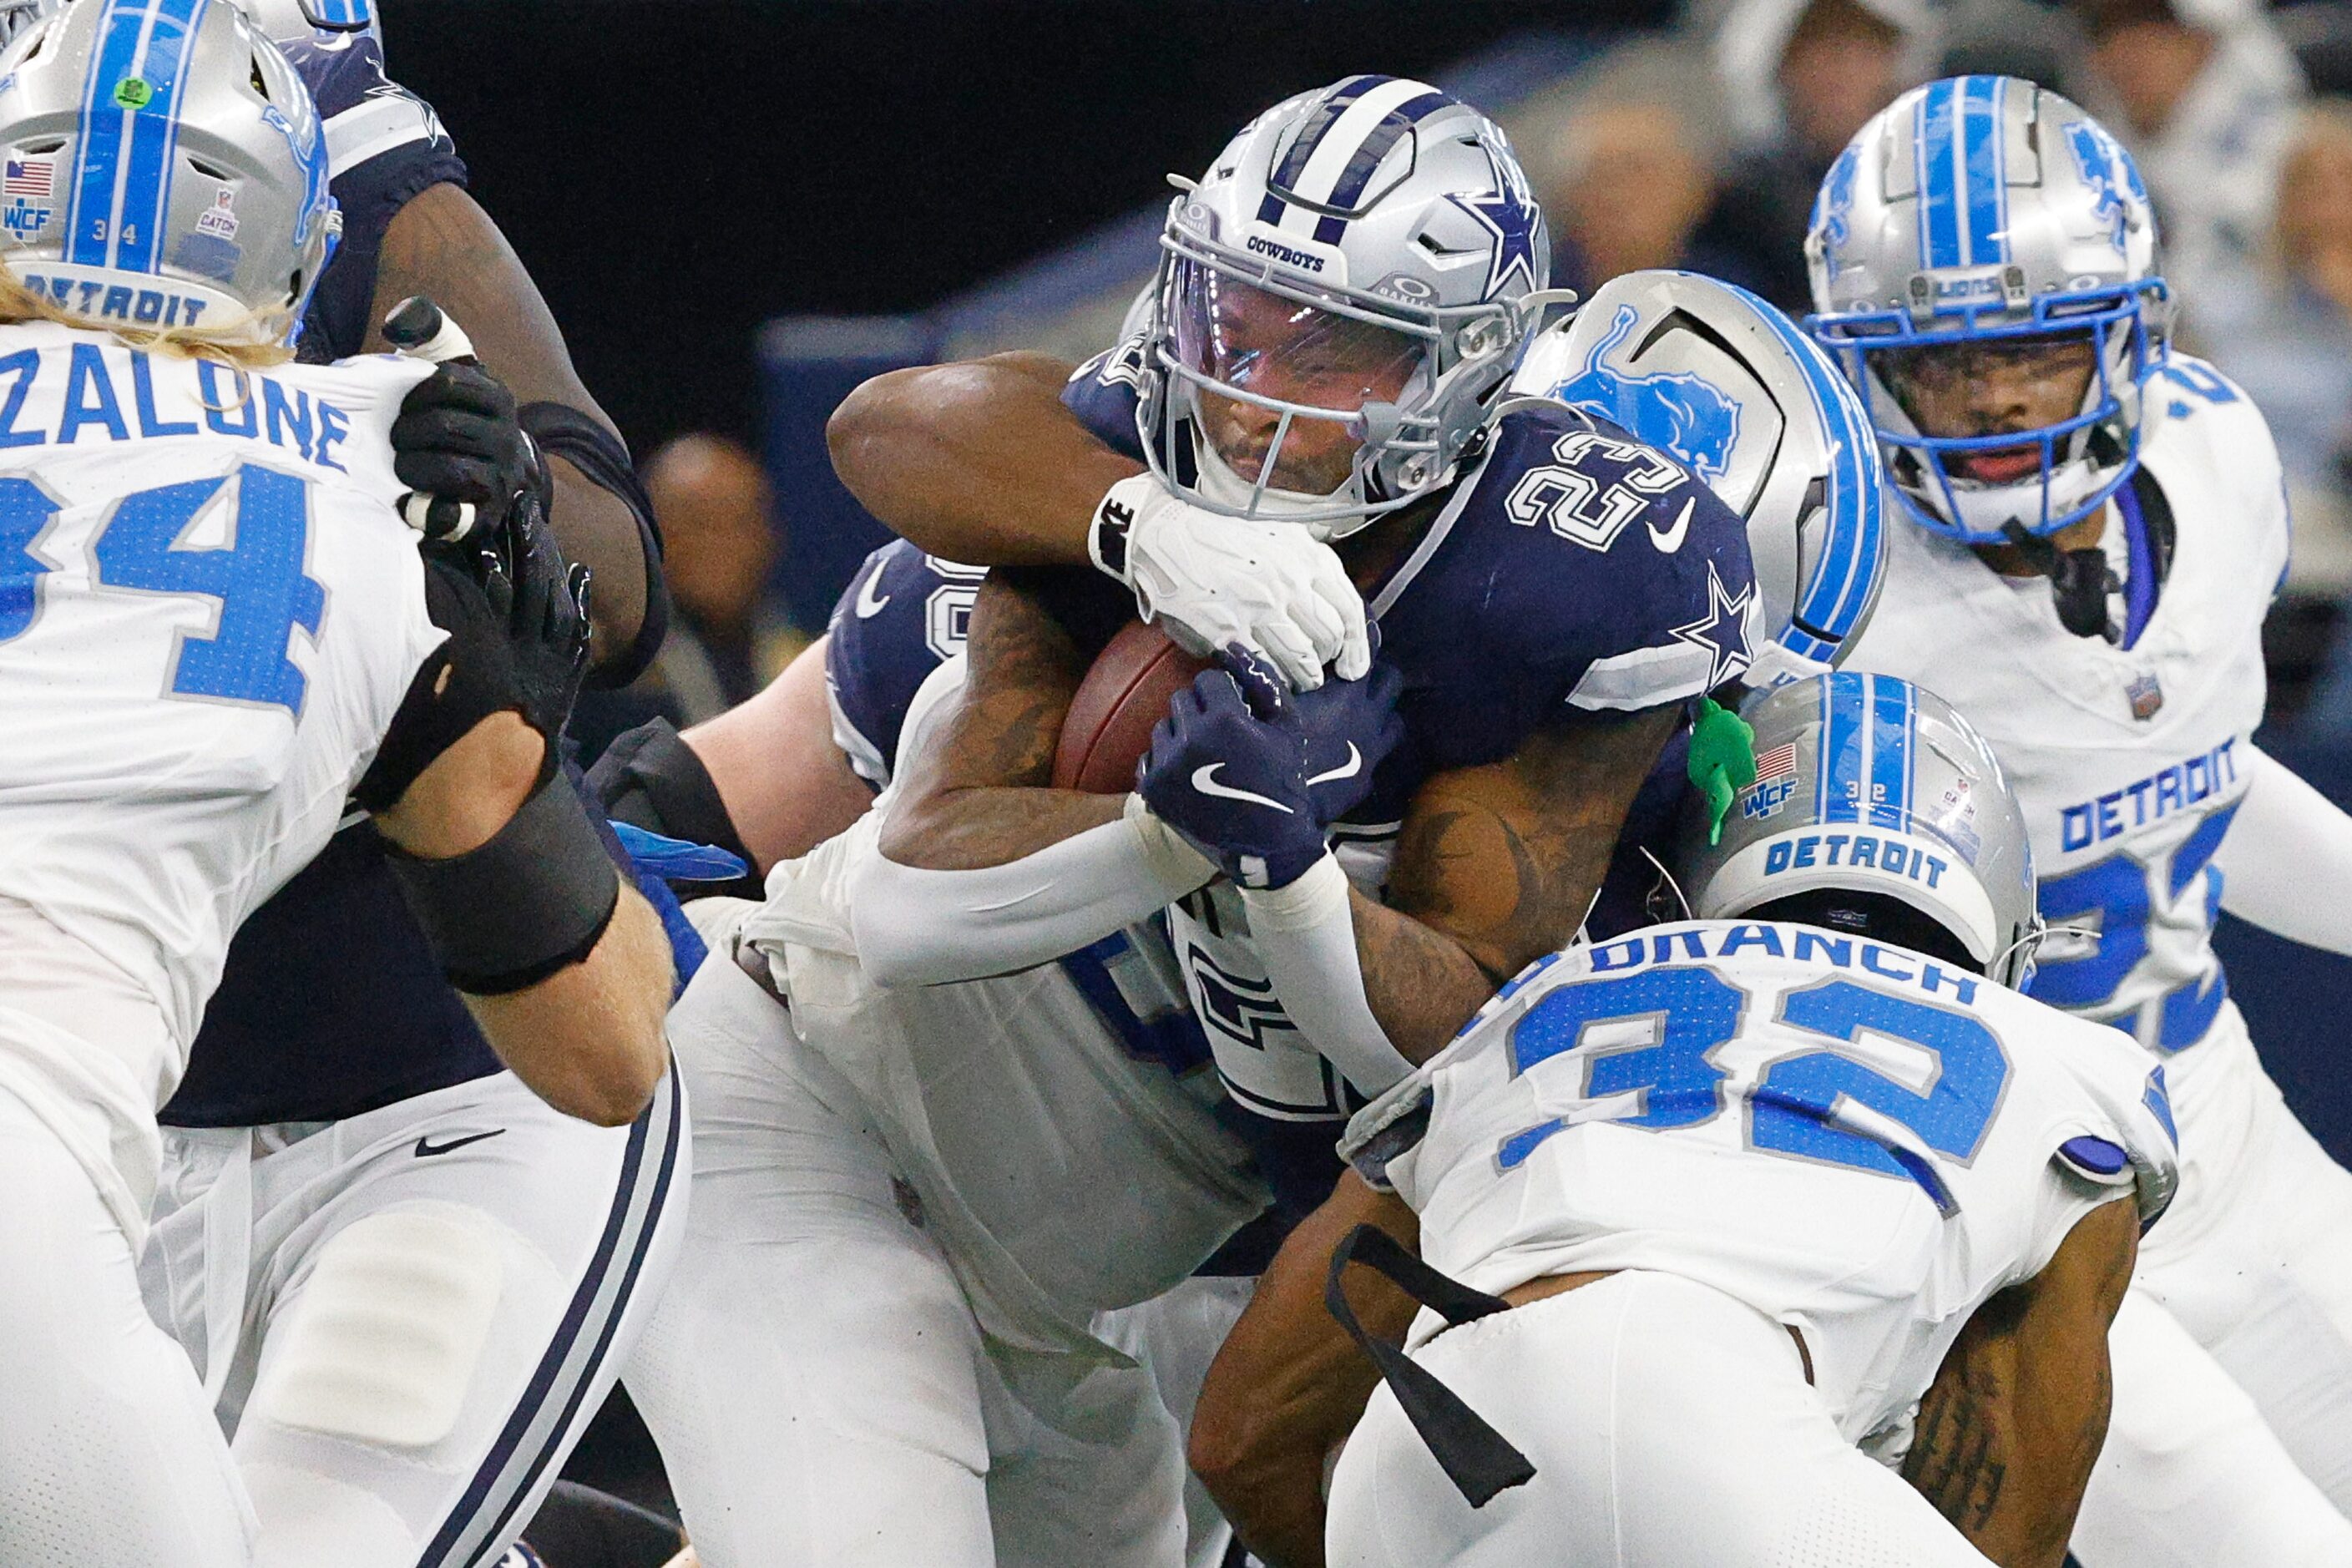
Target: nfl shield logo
<point>2145,696</point>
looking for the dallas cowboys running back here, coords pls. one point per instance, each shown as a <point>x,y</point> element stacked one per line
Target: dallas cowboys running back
<point>218,620</point>
<point>2097,529</point>
<point>1729,1192</point>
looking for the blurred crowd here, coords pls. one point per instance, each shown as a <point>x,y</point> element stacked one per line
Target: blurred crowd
<point>1703,149</point>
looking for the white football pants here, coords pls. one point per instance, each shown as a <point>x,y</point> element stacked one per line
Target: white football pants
<point>814,1376</point>
<point>109,1453</point>
<point>409,1316</point>
<point>2232,1424</point>
<point>1669,1426</point>
<point>1177,1335</point>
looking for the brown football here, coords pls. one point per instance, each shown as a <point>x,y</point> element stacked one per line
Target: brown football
<point>1126,693</point>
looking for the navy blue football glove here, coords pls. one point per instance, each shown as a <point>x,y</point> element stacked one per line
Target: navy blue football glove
<point>1254,789</point>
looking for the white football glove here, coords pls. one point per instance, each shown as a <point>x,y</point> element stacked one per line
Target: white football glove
<point>1212,581</point>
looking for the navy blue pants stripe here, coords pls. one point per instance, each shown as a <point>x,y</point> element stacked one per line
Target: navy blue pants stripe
<point>506,1476</point>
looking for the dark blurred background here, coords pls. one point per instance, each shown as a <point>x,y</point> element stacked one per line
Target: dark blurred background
<point>676,174</point>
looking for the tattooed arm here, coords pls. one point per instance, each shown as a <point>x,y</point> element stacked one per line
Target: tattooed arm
<point>1496,867</point>
<point>2009,1429</point>
<point>977,794</point>
<point>1289,1383</point>
<point>442,243</point>
<point>984,868</point>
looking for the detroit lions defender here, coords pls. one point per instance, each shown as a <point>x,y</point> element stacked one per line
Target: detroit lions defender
<point>2101,526</point>
<point>1749,1208</point>
<point>339,1095</point>
<point>185,500</point>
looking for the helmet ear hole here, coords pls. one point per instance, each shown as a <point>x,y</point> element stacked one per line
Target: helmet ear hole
<point>260,83</point>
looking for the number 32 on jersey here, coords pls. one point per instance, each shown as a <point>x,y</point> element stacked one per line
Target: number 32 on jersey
<point>1650,1040</point>
<point>257,579</point>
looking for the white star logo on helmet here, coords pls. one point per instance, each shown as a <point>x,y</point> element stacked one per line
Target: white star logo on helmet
<point>1510,214</point>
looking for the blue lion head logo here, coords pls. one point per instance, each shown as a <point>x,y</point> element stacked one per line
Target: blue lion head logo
<point>1675,411</point>
<point>2110,173</point>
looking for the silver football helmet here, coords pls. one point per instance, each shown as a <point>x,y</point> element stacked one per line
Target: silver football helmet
<point>165,171</point>
<point>1341,297</point>
<point>1865,784</point>
<point>1985,209</point>
<point>281,20</point>
<point>1713,376</point>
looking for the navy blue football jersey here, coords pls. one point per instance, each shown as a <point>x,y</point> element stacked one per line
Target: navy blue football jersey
<point>1568,572</point>
<point>331,1004</point>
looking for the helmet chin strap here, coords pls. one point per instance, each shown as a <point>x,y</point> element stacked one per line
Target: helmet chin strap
<point>2080,580</point>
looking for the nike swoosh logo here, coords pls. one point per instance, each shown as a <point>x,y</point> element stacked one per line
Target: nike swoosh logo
<point>1672,539</point>
<point>868,605</point>
<point>426,1148</point>
<point>1354,766</point>
<point>1205,780</point>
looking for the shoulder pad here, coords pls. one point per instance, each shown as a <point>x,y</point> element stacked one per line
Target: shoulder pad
<point>903,615</point>
<point>365,113</point>
<point>1624,562</point>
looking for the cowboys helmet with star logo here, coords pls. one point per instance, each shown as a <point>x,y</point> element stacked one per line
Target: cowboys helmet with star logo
<point>1341,296</point>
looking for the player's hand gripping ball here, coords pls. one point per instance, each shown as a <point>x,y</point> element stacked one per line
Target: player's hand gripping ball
<point>1254,781</point>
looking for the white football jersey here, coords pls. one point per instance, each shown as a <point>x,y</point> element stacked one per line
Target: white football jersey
<point>2128,762</point>
<point>209,613</point>
<point>1857,1140</point>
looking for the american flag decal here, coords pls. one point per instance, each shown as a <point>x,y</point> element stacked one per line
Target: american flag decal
<point>29,177</point>
<point>1779,763</point>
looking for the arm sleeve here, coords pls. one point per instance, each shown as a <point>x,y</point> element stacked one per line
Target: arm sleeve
<point>1305,934</point>
<point>921,927</point>
<point>2286,861</point>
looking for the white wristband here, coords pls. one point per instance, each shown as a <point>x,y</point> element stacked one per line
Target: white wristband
<point>1305,936</point>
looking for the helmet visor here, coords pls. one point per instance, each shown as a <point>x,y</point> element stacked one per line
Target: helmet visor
<point>1284,383</point>
<point>1967,393</point>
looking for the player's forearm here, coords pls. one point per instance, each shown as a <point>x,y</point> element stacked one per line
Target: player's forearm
<point>1420,984</point>
<point>597,529</point>
<point>588,1038</point>
<point>977,462</point>
<point>1289,1385</point>
<point>443,245</point>
<point>2007,1434</point>
<point>918,925</point>
<point>1305,936</point>
<point>2286,861</point>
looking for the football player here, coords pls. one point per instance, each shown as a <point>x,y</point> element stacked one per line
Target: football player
<point>336,1077</point>
<point>219,631</point>
<point>1744,1210</point>
<point>2097,527</point>
<point>1437,212</point>
<point>1784,442</point>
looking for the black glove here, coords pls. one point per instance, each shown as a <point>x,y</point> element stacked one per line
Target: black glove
<point>459,441</point>
<point>543,601</point>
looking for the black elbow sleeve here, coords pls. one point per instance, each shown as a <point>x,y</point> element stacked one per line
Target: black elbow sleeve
<point>589,446</point>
